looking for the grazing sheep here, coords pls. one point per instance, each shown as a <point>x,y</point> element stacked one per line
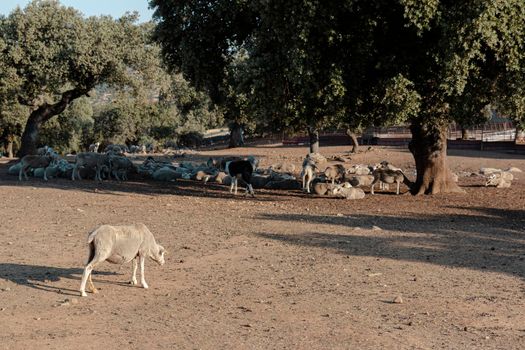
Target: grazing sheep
<point>283,168</point>
<point>221,176</point>
<point>94,147</point>
<point>117,150</point>
<point>166,174</point>
<point>93,160</point>
<point>387,176</point>
<point>42,151</point>
<point>335,173</point>
<point>240,168</point>
<point>359,169</point>
<point>488,171</point>
<point>119,245</point>
<point>33,161</point>
<point>500,180</point>
<point>361,180</point>
<point>308,173</point>
<point>316,158</point>
<point>320,188</point>
<point>120,165</point>
<point>347,192</point>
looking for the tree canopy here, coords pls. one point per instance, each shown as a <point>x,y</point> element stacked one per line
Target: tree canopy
<point>313,63</point>
<point>55,56</point>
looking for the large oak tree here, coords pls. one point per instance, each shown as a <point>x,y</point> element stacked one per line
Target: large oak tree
<point>57,55</point>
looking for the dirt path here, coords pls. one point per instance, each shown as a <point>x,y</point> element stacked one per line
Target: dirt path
<point>281,271</point>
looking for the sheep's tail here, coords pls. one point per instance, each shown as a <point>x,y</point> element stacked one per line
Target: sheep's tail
<point>91,246</point>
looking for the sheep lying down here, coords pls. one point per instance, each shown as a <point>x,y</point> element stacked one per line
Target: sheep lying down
<point>119,245</point>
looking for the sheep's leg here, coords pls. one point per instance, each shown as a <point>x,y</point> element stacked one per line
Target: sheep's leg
<point>134,272</point>
<point>25,173</point>
<point>85,276</point>
<point>20,173</point>
<point>250,188</point>
<point>45,174</point>
<point>308,182</point>
<point>142,278</point>
<point>232,185</point>
<point>92,288</point>
<point>397,191</point>
<point>372,187</point>
<point>304,182</point>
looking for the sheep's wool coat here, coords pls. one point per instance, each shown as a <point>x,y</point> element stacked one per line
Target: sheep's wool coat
<point>122,242</point>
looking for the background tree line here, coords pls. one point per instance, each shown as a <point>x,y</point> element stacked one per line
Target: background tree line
<point>68,81</point>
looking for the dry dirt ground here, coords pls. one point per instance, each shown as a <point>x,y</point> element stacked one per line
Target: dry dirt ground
<point>281,271</point>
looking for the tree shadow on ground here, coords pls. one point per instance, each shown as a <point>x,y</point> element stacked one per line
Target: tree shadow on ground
<point>487,239</point>
<point>40,277</point>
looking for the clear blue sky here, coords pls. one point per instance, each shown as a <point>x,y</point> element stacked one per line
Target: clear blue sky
<point>115,8</point>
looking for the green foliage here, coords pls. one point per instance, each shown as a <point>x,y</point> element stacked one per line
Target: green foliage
<point>72,130</point>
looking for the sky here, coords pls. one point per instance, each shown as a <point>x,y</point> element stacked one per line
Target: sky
<point>115,8</point>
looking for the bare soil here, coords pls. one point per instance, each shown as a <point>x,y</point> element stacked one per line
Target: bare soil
<point>284,270</point>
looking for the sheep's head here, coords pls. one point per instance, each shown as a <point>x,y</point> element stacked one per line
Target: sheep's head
<point>158,255</point>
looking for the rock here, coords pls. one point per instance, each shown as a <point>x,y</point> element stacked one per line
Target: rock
<point>375,274</point>
<point>514,170</point>
<point>398,300</point>
<point>7,289</point>
<point>376,228</point>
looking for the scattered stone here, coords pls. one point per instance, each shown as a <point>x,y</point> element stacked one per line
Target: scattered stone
<point>376,228</point>
<point>74,301</point>
<point>398,300</point>
<point>7,289</point>
<point>375,274</point>
<point>9,243</point>
<point>465,328</point>
<point>325,315</point>
<point>339,214</point>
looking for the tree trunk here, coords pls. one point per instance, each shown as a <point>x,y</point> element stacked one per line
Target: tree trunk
<point>29,142</point>
<point>353,137</point>
<point>43,114</point>
<point>9,148</point>
<point>464,134</point>
<point>236,136</point>
<point>313,134</point>
<point>429,148</point>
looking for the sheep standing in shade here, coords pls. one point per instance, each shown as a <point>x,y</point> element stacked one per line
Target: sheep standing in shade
<point>35,161</point>
<point>119,245</point>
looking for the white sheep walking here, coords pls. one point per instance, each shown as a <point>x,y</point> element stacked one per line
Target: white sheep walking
<point>119,245</point>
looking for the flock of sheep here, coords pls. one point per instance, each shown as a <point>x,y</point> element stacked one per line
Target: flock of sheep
<point>335,180</point>
<point>122,244</point>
